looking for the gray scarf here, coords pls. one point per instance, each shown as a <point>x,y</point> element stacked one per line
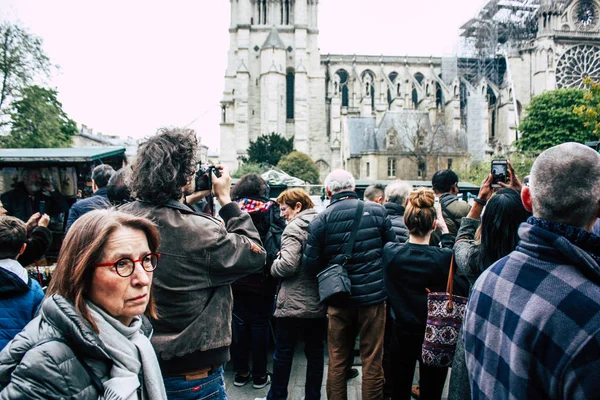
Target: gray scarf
<point>130,357</point>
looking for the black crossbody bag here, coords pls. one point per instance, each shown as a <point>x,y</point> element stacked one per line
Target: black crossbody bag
<point>334,283</point>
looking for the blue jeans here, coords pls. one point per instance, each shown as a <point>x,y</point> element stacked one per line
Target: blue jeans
<point>314,331</point>
<point>251,314</point>
<point>210,388</point>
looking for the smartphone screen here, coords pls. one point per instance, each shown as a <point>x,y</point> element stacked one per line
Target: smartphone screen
<point>499,172</point>
<point>42,207</point>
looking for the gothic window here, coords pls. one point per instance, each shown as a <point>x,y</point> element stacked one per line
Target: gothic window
<point>285,12</point>
<point>343,77</point>
<point>290,94</point>
<point>419,77</point>
<point>450,161</point>
<point>262,12</point>
<point>577,63</point>
<point>439,96</point>
<point>415,98</point>
<point>368,169</point>
<point>391,167</point>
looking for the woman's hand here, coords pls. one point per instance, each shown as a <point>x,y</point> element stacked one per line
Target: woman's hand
<point>513,180</point>
<point>441,223</point>
<point>44,220</point>
<point>485,190</point>
<point>32,222</point>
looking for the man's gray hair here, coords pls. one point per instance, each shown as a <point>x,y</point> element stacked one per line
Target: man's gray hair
<point>565,184</point>
<point>397,192</point>
<point>339,180</point>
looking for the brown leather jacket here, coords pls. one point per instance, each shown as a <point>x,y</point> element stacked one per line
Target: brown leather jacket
<point>200,258</point>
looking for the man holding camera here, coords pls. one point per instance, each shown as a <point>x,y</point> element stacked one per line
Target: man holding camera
<point>200,258</point>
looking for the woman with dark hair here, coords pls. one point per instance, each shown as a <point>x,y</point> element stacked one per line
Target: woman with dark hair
<point>482,241</point>
<point>411,270</point>
<point>253,294</point>
<point>90,339</point>
<point>298,310</point>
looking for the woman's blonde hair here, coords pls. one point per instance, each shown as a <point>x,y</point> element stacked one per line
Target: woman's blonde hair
<point>420,213</point>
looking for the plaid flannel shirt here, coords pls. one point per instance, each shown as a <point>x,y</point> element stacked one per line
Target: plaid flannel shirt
<point>532,326</point>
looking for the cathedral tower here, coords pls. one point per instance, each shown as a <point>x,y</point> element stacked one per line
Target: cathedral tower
<point>273,71</point>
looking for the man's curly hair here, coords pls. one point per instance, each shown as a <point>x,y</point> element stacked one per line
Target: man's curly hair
<point>165,163</point>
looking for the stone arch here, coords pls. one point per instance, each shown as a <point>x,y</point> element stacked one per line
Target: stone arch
<point>323,166</point>
<point>343,80</point>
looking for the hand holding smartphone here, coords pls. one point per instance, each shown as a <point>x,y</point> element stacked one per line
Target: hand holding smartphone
<point>499,172</point>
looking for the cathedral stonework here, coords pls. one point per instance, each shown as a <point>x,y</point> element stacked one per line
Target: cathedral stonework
<point>388,117</point>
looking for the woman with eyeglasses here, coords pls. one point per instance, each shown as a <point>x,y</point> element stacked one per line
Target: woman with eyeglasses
<point>90,338</point>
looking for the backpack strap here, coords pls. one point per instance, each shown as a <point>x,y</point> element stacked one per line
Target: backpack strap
<point>350,245</point>
<point>449,213</point>
<point>96,382</point>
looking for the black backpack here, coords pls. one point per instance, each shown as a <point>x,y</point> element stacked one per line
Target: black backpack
<point>272,238</point>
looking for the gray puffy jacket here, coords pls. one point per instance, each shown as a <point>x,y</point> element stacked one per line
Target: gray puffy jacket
<point>298,294</point>
<point>54,369</point>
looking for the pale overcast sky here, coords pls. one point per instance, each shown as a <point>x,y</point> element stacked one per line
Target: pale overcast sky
<point>129,67</point>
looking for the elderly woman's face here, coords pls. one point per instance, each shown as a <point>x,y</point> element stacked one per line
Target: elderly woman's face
<point>123,298</point>
<point>287,212</point>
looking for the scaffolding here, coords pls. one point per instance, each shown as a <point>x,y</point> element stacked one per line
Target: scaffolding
<point>499,25</point>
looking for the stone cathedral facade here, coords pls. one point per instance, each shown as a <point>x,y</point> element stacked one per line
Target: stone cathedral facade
<point>391,116</point>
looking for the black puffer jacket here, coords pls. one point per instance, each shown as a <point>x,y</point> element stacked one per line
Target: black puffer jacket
<point>328,233</point>
<point>396,214</point>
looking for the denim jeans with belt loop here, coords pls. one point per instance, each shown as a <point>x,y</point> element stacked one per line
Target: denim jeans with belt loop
<point>210,388</point>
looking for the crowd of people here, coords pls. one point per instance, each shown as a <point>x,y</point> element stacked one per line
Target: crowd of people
<point>151,296</point>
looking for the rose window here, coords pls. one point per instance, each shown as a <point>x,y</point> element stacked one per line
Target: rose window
<point>577,63</point>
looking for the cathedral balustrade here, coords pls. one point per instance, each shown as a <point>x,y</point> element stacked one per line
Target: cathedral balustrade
<point>564,34</point>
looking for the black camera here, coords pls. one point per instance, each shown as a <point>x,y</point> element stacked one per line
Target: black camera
<point>204,176</point>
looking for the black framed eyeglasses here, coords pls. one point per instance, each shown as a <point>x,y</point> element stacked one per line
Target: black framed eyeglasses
<point>125,266</point>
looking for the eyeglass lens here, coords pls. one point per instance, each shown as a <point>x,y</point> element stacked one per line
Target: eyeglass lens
<point>126,266</point>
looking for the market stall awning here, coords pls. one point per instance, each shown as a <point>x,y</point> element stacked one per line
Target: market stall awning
<point>66,155</point>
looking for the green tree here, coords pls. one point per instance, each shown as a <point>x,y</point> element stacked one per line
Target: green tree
<point>590,110</point>
<point>246,168</point>
<point>551,120</point>
<point>21,60</point>
<point>300,166</point>
<point>269,149</point>
<point>38,120</point>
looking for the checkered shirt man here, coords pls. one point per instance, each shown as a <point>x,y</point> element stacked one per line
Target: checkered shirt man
<point>532,327</point>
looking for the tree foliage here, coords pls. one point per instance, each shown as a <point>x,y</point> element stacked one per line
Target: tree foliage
<point>589,111</point>
<point>269,149</point>
<point>21,60</point>
<point>551,120</point>
<point>38,121</point>
<point>246,168</point>
<point>300,165</point>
